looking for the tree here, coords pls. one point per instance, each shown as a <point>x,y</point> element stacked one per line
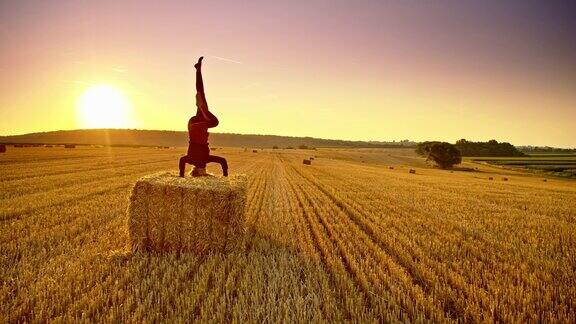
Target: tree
<point>490,148</point>
<point>423,148</point>
<point>461,142</point>
<point>445,155</point>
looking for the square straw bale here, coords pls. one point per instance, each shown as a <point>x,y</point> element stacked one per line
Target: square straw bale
<point>197,214</point>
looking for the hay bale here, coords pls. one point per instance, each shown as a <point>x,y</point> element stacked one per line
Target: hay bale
<point>203,214</point>
<point>307,162</point>
<point>311,158</point>
<point>412,171</point>
<point>69,146</point>
<point>504,179</point>
<point>391,167</point>
<point>254,151</point>
<point>2,148</point>
<point>545,180</point>
<point>490,178</point>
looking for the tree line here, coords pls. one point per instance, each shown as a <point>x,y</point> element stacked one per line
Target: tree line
<point>446,155</point>
<point>468,148</point>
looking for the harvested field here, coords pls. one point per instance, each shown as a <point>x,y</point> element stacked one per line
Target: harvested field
<point>340,241</point>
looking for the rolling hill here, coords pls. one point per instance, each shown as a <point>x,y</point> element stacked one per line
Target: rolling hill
<point>135,137</point>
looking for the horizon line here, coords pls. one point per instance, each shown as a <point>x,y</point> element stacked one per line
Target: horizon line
<point>253,134</point>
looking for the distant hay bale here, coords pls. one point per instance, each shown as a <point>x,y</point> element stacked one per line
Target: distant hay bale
<point>254,151</point>
<point>2,148</point>
<point>490,178</point>
<point>311,158</point>
<point>69,146</point>
<point>412,171</point>
<point>18,145</point>
<point>307,162</point>
<point>504,179</point>
<point>391,167</point>
<point>201,215</point>
<point>545,180</point>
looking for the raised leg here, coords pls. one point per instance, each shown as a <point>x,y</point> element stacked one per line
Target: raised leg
<point>199,82</point>
<point>201,102</point>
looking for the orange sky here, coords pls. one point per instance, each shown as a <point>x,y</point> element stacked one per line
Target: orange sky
<point>366,70</point>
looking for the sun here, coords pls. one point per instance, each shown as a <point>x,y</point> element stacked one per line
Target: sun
<point>104,106</point>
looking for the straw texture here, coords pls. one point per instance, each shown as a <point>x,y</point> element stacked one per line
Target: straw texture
<point>201,214</point>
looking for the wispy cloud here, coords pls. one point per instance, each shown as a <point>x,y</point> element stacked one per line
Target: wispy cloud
<point>118,69</point>
<point>252,85</point>
<point>226,59</point>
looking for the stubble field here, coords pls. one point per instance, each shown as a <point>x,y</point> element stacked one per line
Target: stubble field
<point>346,238</point>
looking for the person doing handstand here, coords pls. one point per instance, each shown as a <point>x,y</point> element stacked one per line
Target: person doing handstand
<point>198,151</point>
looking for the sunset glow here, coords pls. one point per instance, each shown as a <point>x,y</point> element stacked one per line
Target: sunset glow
<point>359,70</point>
<point>104,106</point>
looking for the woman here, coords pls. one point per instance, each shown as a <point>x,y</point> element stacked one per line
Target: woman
<point>198,150</point>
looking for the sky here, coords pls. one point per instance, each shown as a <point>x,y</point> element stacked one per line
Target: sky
<point>359,70</point>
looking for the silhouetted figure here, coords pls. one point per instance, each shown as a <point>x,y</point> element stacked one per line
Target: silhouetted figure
<point>198,150</point>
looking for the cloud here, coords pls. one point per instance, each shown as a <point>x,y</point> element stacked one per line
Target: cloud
<point>252,85</point>
<point>226,59</point>
<point>118,69</point>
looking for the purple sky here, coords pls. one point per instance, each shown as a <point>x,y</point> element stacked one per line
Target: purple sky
<point>370,70</point>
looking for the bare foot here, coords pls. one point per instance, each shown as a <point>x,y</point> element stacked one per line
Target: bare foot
<point>199,64</point>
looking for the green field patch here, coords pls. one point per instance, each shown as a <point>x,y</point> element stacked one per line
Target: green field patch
<point>573,156</point>
<point>522,163</point>
<point>525,159</point>
<point>556,168</point>
<point>563,165</point>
